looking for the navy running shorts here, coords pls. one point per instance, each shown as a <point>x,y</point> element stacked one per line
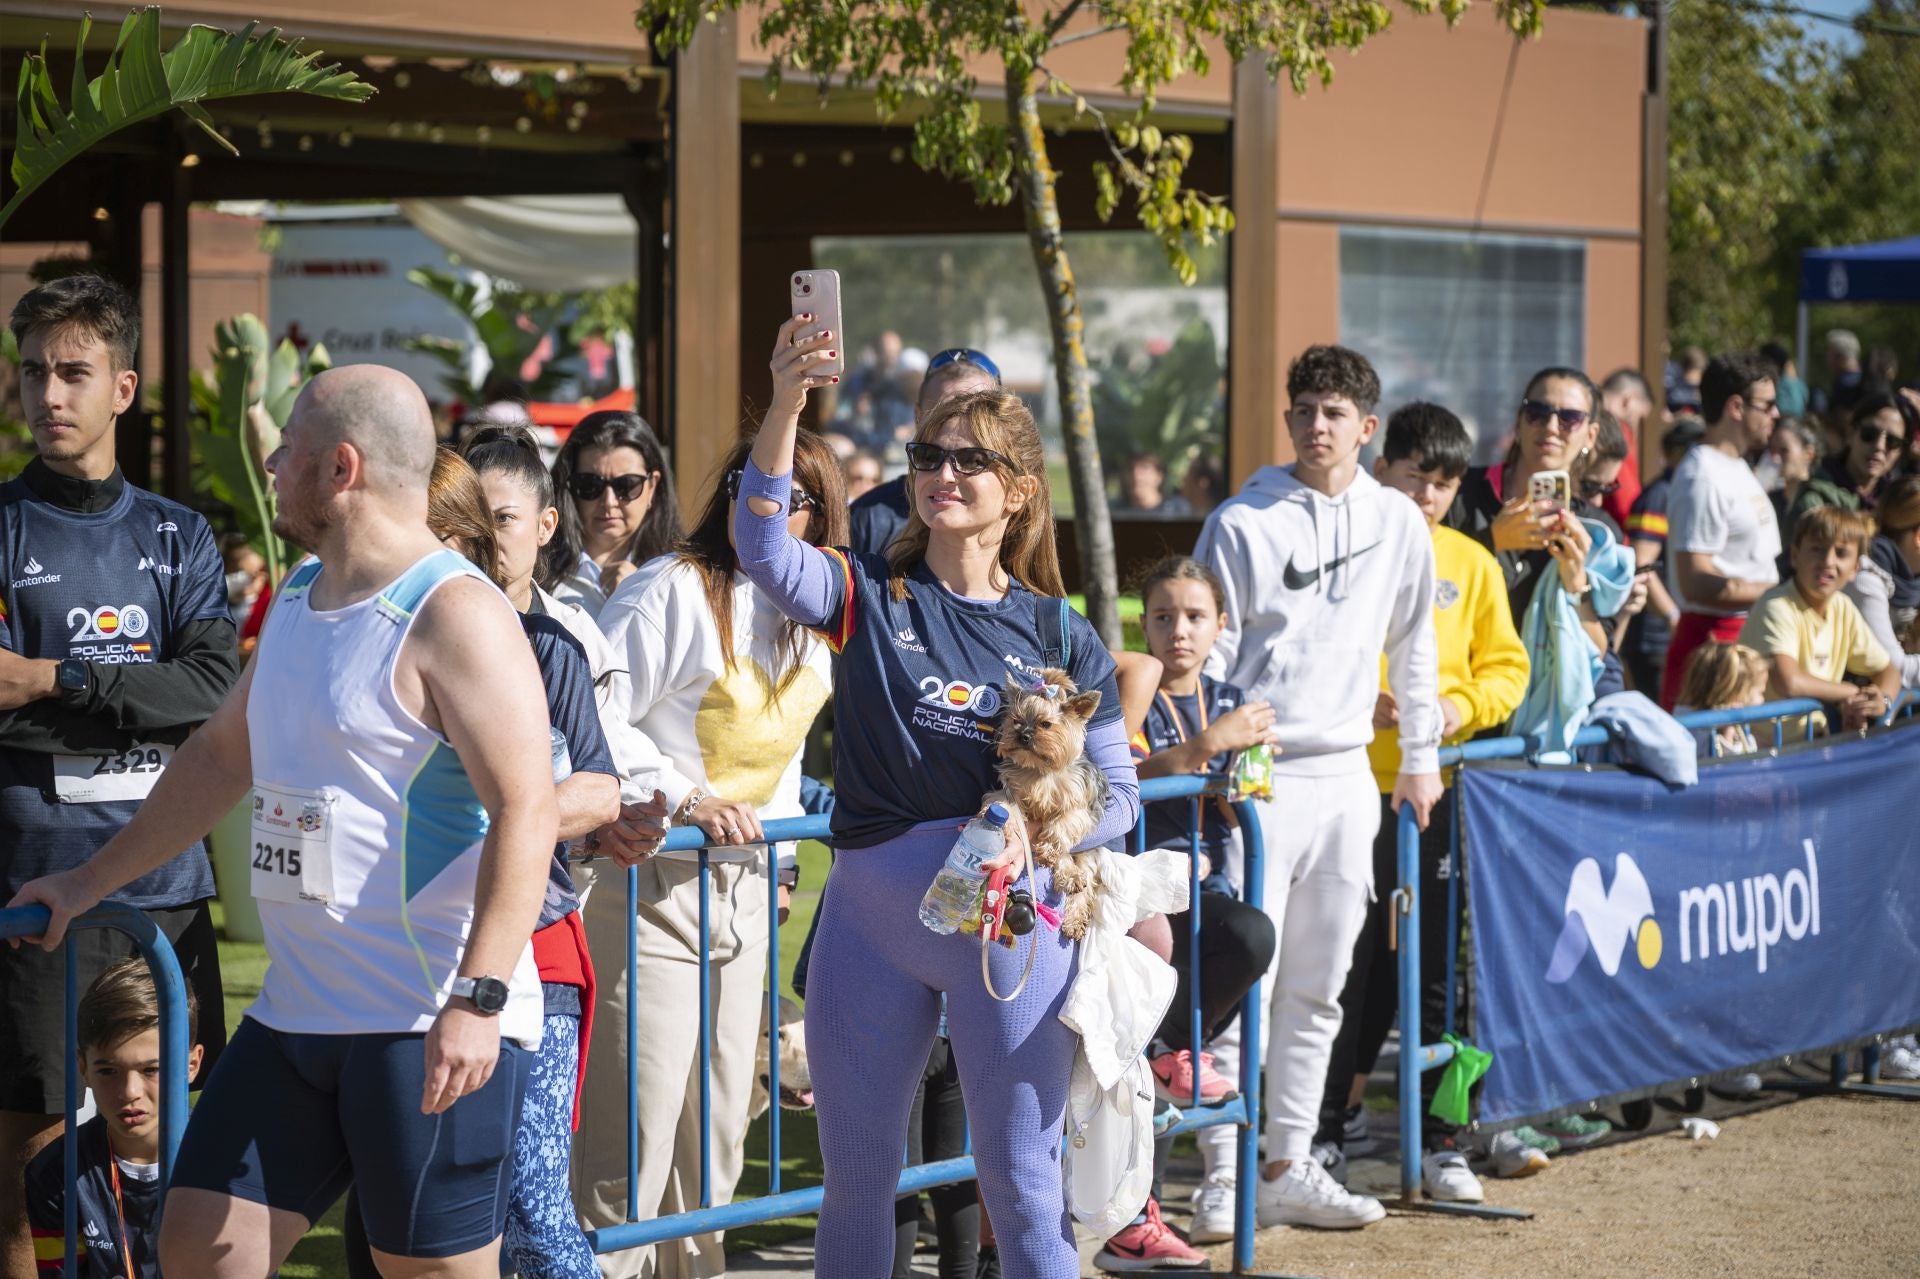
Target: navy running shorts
<point>289,1120</point>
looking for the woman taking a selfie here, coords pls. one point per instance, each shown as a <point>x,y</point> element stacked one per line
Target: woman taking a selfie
<point>967,596</point>
<point>617,508</point>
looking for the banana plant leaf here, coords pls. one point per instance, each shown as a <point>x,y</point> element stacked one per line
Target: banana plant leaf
<point>509,331</point>
<point>141,82</point>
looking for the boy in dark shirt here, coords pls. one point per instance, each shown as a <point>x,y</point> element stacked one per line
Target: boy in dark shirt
<point>117,1218</point>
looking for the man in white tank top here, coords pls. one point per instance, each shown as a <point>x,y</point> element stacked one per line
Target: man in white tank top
<point>394,729</point>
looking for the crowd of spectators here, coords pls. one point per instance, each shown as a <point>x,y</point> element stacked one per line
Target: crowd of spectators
<point>1775,554</point>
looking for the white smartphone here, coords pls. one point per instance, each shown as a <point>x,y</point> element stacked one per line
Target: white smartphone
<point>1551,486</point>
<point>817,293</point>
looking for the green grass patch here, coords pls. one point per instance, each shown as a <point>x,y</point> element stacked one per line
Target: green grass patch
<point>1132,638</point>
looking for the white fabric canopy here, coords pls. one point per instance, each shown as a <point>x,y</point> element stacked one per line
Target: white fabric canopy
<point>560,243</point>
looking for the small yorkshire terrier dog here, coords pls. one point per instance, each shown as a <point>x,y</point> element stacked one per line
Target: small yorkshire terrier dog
<point>1044,770</point>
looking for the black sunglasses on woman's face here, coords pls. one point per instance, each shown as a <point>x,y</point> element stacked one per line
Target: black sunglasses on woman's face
<point>966,461</point>
<point>588,487</point>
<point>1871,435</point>
<point>1540,413</point>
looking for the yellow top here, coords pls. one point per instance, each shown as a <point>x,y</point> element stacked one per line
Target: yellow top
<point>1483,665</point>
<point>1828,648</point>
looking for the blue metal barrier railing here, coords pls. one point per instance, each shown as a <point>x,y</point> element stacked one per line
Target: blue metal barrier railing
<point>1243,1111</point>
<point>1416,1056</point>
<point>170,989</point>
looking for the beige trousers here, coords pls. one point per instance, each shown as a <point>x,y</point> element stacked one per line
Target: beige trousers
<point>667,1074</point>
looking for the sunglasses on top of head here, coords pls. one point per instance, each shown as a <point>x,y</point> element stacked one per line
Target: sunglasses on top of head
<point>588,487</point>
<point>798,499</point>
<point>1540,413</point>
<point>966,461</point>
<point>965,355</point>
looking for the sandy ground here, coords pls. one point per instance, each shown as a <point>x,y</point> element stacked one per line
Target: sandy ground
<point>1823,1186</point>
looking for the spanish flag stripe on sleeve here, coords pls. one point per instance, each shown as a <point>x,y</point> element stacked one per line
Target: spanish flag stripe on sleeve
<point>1139,743</point>
<point>837,636</point>
<point>1647,524</point>
<point>50,1251</point>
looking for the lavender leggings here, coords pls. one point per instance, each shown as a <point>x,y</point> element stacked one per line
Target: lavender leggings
<point>873,1004</point>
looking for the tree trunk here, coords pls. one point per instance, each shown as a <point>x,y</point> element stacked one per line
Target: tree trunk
<point>1093,526</point>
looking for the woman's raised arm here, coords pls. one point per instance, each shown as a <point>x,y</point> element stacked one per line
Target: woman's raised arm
<point>805,583</point>
<point>793,356</point>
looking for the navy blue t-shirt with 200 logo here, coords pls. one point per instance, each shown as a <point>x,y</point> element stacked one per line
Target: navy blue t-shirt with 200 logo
<point>109,587</point>
<point>920,691</point>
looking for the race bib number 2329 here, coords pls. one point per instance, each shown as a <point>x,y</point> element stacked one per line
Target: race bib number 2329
<point>96,779</point>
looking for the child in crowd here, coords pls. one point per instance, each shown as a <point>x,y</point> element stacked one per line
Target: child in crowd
<point>1194,724</point>
<point>118,1214</point>
<point>1723,677</point>
<point>1813,635</point>
<point>1483,673</point>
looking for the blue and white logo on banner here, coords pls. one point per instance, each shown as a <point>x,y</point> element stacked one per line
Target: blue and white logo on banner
<point>1627,936</point>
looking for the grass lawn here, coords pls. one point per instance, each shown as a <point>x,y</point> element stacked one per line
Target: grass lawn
<point>1132,637</point>
<point>321,1255</point>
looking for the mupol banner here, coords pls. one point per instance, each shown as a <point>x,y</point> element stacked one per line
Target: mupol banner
<point>1625,935</point>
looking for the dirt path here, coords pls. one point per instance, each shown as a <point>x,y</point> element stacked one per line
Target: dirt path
<point>1828,1186</point>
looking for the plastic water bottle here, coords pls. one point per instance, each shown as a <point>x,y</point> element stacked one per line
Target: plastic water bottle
<point>950,900</point>
<point>562,755</point>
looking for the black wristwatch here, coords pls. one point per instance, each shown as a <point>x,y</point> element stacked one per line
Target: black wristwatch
<point>488,994</point>
<point>73,678</point>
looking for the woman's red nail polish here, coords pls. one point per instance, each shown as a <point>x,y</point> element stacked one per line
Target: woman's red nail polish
<point>836,379</point>
<point>831,354</point>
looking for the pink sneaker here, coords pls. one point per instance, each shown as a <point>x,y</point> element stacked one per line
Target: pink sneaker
<point>1173,1079</point>
<point>1151,1245</point>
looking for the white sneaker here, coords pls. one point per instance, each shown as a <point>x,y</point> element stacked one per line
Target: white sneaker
<point>1897,1061</point>
<point>1513,1157</point>
<point>1447,1179</point>
<point>1213,1209</point>
<point>1304,1195</point>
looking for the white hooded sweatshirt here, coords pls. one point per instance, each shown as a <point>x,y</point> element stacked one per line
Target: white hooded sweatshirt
<point>1317,588</point>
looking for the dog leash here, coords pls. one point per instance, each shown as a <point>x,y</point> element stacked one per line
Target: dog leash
<point>993,911</point>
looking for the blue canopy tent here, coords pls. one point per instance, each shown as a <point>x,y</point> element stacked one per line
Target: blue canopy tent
<point>1888,271</point>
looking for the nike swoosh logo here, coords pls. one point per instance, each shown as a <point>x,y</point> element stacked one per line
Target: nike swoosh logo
<point>1298,581</point>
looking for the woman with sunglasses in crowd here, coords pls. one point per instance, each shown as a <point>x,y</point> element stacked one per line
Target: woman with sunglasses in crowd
<point>1557,428</point>
<point>1554,429</point>
<point>724,690</point>
<point>617,509</point>
<point>879,515</point>
<point>966,600</point>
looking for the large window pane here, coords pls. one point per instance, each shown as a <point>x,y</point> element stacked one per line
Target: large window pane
<point>1462,320</point>
<point>1157,351</point>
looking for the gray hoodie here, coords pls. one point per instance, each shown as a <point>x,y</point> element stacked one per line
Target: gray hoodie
<point>1317,589</point>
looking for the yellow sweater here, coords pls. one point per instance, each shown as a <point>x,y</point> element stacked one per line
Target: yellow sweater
<point>1483,665</point>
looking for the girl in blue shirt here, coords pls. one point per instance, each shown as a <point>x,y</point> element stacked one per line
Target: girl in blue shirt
<point>928,635</point>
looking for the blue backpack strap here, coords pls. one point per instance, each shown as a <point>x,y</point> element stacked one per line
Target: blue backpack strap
<point>1056,635</point>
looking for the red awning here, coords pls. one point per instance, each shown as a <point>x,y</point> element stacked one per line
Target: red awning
<point>562,418</point>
